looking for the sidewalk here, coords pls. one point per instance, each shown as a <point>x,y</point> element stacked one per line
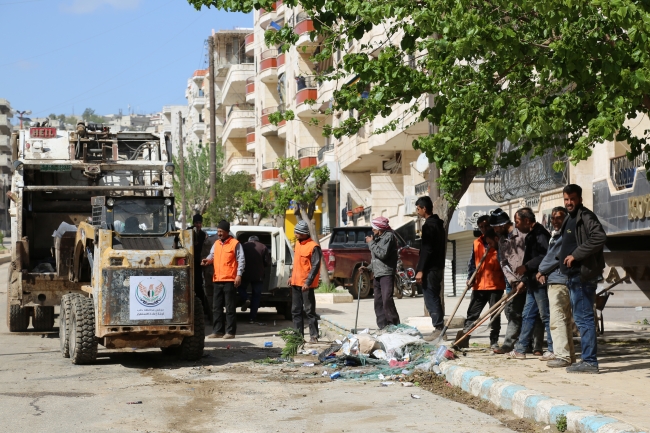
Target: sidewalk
<point>618,393</point>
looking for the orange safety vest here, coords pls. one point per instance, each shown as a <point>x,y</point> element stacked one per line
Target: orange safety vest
<point>490,276</point>
<point>302,263</point>
<point>225,260</point>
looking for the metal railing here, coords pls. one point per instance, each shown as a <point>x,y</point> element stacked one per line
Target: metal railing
<point>239,107</point>
<point>422,188</point>
<point>271,110</point>
<point>250,130</point>
<point>623,171</point>
<point>306,152</point>
<point>367,212</point>
<point>269,165</point>
<point>307,82</point>
<point>269,54</point>
<point>323,150</point>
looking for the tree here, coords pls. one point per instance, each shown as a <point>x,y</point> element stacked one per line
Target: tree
<point>304,186</point>
<point>52,116</point>
<point>227,204</point>
<point>281,200</point>
<point>196,179</point>
<point>254,205</point>
<point>546,76</point>
<point>89,116</point>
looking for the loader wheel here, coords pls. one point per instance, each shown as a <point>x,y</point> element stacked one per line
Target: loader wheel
<point>192,346</point>
<point>43,318</point>
<point>18,318</point>
<point>82,342</point>
<point>64,323</point>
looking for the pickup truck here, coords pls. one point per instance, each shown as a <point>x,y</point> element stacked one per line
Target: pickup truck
<point>276,292</point>
<point>348,251</point>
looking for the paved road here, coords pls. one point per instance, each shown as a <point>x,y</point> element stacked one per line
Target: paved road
<point>42,392</point>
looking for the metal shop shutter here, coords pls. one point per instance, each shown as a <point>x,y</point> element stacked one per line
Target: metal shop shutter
<point>463,252</point>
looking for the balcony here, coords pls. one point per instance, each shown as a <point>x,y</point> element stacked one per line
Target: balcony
<point>268,66</point>
<point>250,139</point>
<point>307,92</point>
<point>267,127</point>
<point>265,18</point>
<point>167,109</point>
<point>198,128</point>
<point>422,188</point>
<point>279,8</point>
<point>303,27</point>
<point>249,41</point>
<point>622,171</point>
<point>240,117</point>
<point>270,172</point>
<point>4,143</point>
<point>307,156</point>
<point>199,75</point>
<point>328,148</point>
<point>5,163</point>
<point>238,163</point>
<point>5,125</point>
<point>198,102</point>
<point>235,83</point>
<point>250,89</point>
<point>280,63</point>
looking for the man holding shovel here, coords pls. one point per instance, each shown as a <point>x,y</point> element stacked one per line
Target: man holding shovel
<point>489,282</point>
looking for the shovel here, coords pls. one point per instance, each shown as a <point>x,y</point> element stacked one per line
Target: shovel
<point>483,318</point>
<point>469,284</point>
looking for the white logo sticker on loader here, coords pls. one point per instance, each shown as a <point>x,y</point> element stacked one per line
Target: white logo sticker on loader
<point>151,298</point>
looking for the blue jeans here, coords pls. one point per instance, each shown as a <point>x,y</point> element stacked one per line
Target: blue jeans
<point>256,295</point>
<point>536,303</point>
<point>582,303</point>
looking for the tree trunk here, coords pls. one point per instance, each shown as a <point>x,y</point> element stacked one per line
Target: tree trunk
<point>324,275</point>
<point>279,221</point>
<point>249,219</point>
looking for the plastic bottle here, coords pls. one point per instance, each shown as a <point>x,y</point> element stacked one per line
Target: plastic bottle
<point>335,375</point>
<point>268,344</point>
<point>440,354</point>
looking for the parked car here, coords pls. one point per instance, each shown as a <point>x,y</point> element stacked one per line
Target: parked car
<point>348,251</point>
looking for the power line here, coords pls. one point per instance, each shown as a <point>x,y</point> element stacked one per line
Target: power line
<point>88,38</point>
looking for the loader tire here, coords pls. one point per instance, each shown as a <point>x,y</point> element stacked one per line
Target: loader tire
<point>64,323</point>
<point>17,318</point>
<point>82,341</point>
<point>192,346</point>
<point>43,318</point>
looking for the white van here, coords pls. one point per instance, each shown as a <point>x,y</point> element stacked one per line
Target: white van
<point>276,292</point>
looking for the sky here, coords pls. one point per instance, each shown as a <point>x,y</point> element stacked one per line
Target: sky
<point>62,56</point>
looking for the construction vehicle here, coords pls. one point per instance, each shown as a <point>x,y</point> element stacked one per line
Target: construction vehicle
<point>70,246</point>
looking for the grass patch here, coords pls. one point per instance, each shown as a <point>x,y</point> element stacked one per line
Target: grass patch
<point>325,288</point>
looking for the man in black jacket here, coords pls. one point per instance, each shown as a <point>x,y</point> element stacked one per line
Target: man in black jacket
<point>431,265</point>
<point>536,246</point>
<point>258,260</point>
<point>582,261</point>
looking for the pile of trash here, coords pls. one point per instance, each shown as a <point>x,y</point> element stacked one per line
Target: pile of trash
<point>392,353</point>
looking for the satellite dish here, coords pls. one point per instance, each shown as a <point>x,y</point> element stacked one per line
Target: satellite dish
<point>422,163</point>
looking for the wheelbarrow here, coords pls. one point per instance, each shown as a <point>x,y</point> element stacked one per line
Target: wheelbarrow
<point>599,304</point>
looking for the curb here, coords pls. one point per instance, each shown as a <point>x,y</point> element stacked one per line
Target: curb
<point>530,404</point>
<point>5,259</point>
<point>336,326</point>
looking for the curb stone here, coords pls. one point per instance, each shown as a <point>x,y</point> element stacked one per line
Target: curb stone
<point>5,258</point>
<point>530,404</point>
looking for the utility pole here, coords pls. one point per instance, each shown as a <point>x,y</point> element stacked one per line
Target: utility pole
<point>213,127</point>
<point>181,157</point>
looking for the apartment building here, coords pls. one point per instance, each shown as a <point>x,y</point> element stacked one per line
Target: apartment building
<point>6,129</point>
<point>169,124</point>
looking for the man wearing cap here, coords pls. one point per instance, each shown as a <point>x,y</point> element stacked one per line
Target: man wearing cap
<point>383,247</point>
<point>229,261</point>
<point>199,239</point>
<point>304,279</point>
<point>258,260</point>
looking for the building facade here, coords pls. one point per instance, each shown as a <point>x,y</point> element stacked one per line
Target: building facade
<point>6,128</point>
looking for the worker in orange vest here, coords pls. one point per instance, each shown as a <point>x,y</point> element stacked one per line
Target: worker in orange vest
<point>489,283</point>
<point>227,255</point>
<point>304,279</point>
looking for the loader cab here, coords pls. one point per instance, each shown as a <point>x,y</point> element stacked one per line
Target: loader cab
<point>134,216</point>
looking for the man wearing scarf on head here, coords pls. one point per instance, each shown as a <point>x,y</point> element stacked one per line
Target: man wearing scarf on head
<point>383,246</point>
<point>304,279</point>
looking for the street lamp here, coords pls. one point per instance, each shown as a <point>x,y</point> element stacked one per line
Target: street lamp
<point>21,116</point>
